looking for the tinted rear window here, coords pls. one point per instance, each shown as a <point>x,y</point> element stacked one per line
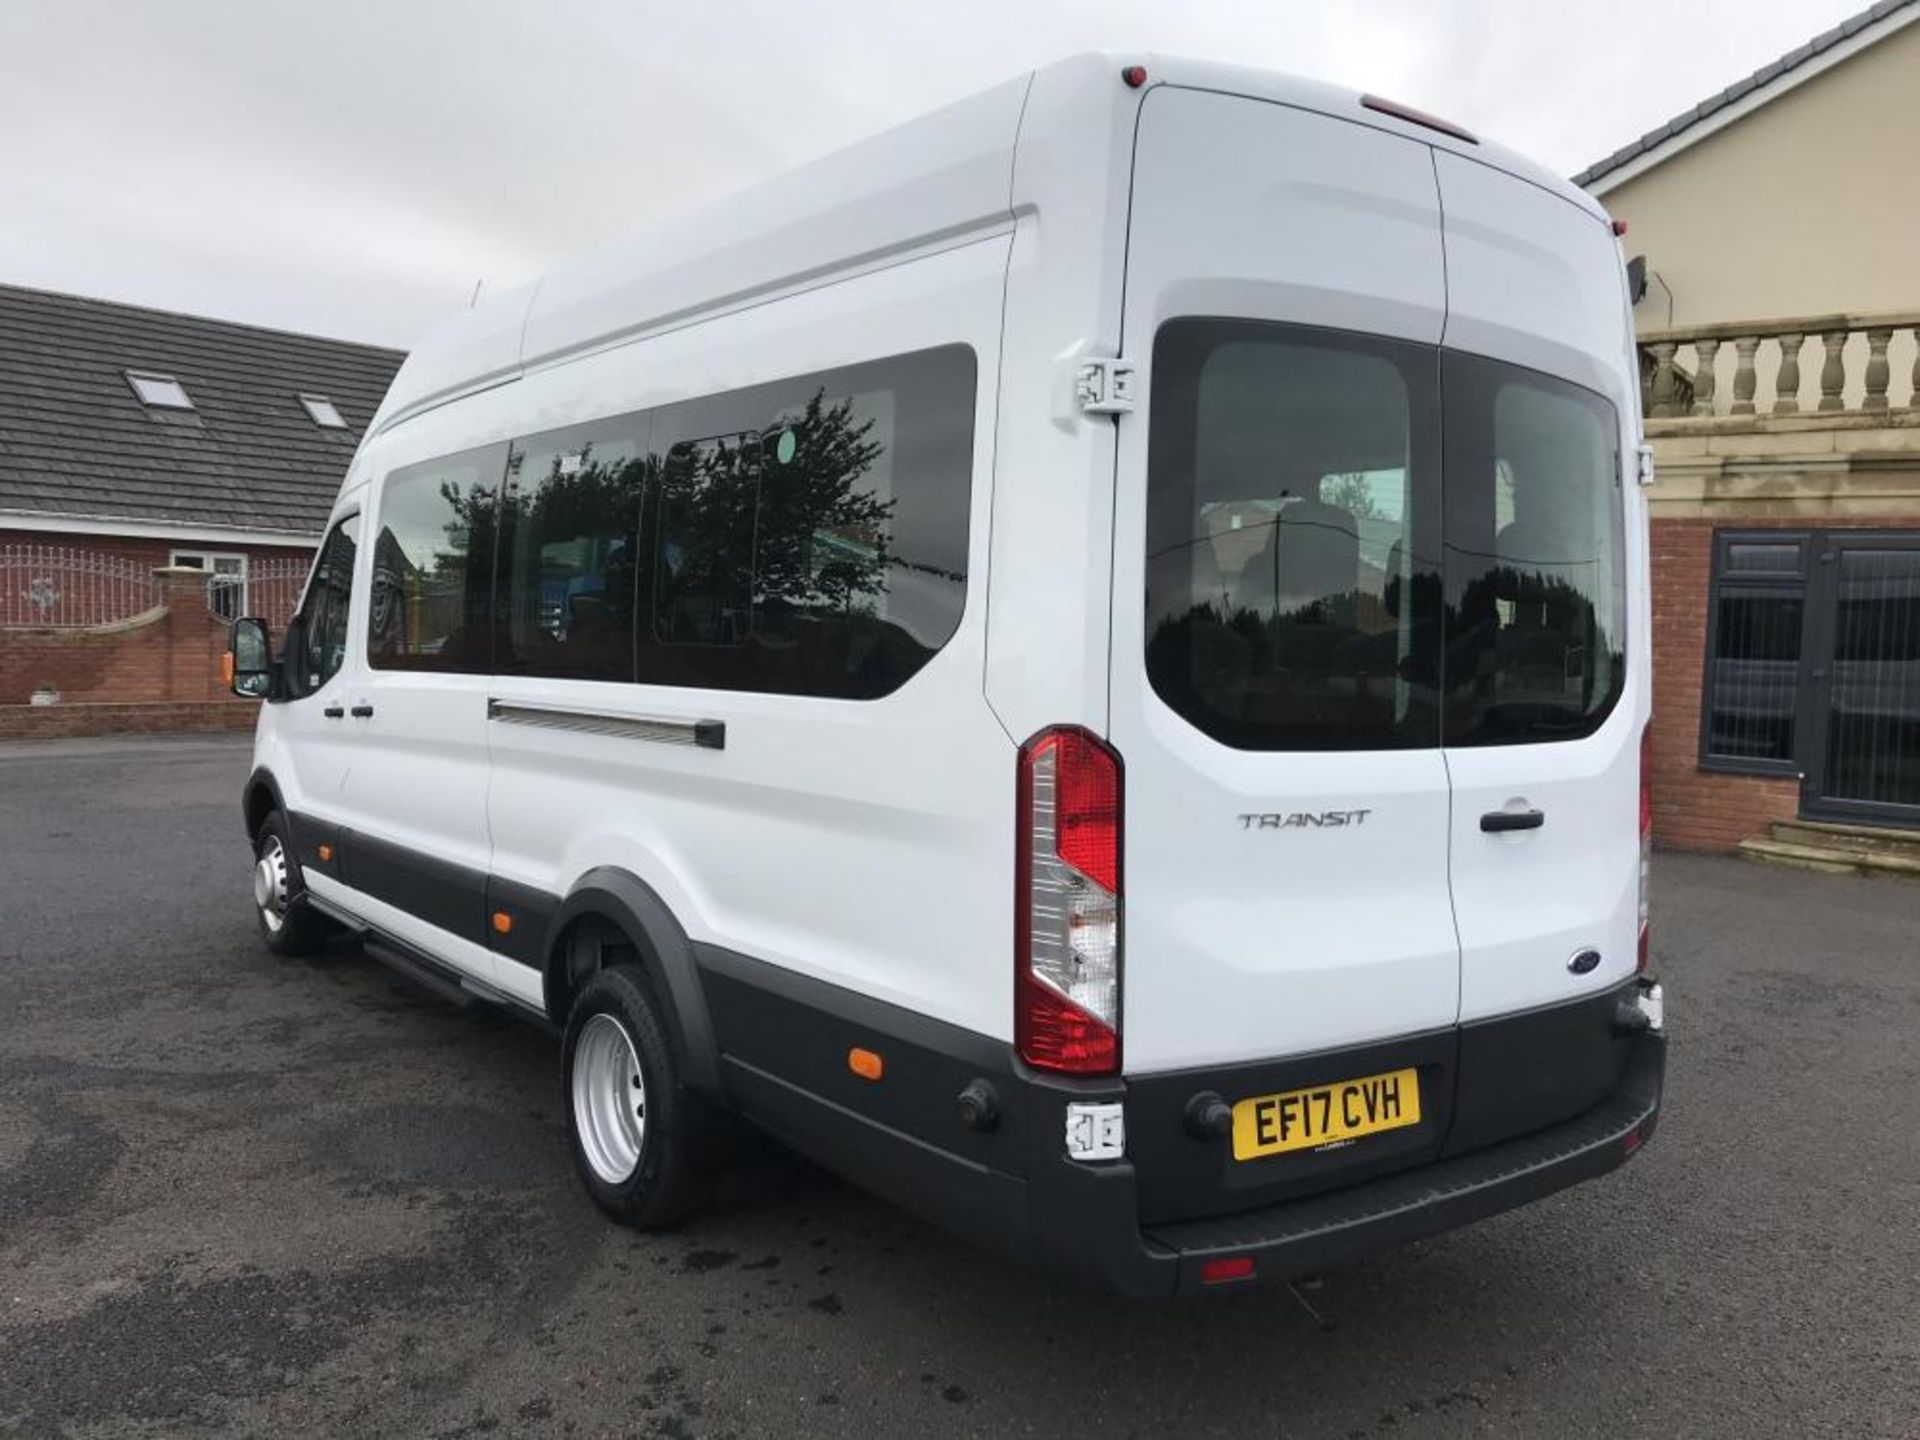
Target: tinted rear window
<point>1290,594</point>
<point>1536,585</point>
<point>1313,582</point>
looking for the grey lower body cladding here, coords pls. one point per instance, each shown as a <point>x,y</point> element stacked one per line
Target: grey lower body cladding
<point>1531,1104</point>
<point>960,1131</point>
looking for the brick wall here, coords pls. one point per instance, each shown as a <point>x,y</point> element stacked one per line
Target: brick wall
<point>1695,809</point>
<point>173,654</point>
<point>45,722</point>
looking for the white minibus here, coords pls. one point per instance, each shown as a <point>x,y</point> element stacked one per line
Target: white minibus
<point>1083,663</point>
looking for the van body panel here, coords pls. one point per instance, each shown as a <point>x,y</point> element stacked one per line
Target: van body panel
<point>1535,282</point>
<point>1251,937</point>
<point>938,177</point>
<point>1053,492</point>
<point>306,751</point>
<point>866,843</point>
<point>415,793</point>
<point>471,351</point>
<point>1532,279</point>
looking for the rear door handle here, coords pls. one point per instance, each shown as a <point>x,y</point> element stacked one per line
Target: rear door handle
<point>334,712</point>
<point>1495,821</point>
<point>362,710</point>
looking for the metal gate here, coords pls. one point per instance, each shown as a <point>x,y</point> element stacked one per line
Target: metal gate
<point>1859,711</point>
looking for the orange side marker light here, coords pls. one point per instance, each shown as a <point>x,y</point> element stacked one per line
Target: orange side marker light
<point>226,668</point>
<point>326,854</point>
<point>502,922</point>
<point>865,1063</point>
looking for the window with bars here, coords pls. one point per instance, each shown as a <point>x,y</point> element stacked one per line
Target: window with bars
<point>1755,622</point>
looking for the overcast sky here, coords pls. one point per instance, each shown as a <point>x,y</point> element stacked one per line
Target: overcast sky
<point>353,167</point>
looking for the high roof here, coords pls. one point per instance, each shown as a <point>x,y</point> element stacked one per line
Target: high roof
<point>76,441</point>
<point>1769,81</point>
<point>930,182</point>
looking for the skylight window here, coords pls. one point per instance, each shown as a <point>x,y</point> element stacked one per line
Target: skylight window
<point>161,392</point>
<point>323,412</point>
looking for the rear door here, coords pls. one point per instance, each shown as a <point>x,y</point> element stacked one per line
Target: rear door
<point>1545,684</point>
<point>1277,568</point>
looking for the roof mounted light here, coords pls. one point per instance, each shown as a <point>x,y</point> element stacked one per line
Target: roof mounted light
<point>1135,76</point>
<point>1418,117</point>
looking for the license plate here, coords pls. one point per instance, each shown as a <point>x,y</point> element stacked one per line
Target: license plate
<point>1325,1114</point>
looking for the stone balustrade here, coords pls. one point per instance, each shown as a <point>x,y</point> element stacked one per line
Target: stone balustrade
<point>1859,363</point>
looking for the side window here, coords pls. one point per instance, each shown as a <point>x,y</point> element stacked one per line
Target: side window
<point>704,558</point>
<point>1535,544</point>
<point>1292,508</point>
<point>809,536</point>
<point>324,613</point>
<point>568,551</point>
<point>431,599</point>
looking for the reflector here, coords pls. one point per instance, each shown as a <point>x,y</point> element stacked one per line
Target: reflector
<point>1223,1268</point>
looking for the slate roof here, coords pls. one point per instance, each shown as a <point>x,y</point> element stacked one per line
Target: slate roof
<point>74,439</point>
<point>1765,75</point>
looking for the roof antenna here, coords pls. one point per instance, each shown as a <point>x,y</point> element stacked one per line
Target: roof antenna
<point>474,299</point>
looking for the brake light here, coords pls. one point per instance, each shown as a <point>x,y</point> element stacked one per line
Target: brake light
<point>1067,904</point>
<point>1646,833</point>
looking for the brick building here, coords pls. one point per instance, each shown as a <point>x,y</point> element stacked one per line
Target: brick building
<point>1781,354</point>
<point>138,446</point>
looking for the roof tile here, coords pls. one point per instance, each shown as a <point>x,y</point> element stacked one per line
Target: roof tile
<point>74,439</point>
<point>1764,75</point>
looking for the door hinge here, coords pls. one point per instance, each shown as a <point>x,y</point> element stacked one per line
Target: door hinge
<point>1104,387</point>
<point>1646,464</point>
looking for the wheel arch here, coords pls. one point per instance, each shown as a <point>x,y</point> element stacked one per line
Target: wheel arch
<point>621,899</point>
<point>259,798</point>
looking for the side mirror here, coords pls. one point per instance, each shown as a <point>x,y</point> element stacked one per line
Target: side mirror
<point>250,659</point>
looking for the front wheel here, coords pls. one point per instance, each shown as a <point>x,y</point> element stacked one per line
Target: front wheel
<point>632,1121</point>
<point>288,925</point>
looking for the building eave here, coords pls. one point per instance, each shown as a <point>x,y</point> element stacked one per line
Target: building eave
<point>57,522</point>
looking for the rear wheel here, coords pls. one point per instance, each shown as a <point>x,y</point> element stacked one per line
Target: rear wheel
<point>287,923</point>
<point>635,1128</point>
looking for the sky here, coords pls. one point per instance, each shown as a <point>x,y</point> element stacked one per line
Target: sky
<point>356,168</point>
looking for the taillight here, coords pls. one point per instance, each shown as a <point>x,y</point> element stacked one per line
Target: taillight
<point>1646,833</point>
<point>1067,904</point>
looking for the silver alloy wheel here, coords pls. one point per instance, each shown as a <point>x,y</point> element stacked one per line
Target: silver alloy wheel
<point>609,1099</point>
<point>270,884</point>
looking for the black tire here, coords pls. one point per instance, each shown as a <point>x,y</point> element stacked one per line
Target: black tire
<point>289,926</point>
<point>667,1180</point>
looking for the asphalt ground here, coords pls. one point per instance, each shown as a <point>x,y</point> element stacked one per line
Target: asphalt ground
<point>251,1197</point>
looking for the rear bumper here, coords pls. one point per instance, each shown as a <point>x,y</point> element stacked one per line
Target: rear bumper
<point>1303,1236</point>
<point>1517,1108</point>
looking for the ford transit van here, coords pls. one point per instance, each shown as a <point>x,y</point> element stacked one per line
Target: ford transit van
<point>1082,663</point>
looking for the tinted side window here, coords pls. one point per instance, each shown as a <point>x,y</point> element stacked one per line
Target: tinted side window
<point>1535,544</point>
<point>810,536</point>
<point>433,547</point>
<point>568,550</point>
<point>1292,512</point>
<point>703,578</point>
<point>327,607</point>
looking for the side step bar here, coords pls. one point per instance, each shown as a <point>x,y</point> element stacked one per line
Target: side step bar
<point>459,990</point>
<point>447,984</point>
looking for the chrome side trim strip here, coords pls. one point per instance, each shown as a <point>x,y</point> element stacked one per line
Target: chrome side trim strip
<point>663,729</point>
